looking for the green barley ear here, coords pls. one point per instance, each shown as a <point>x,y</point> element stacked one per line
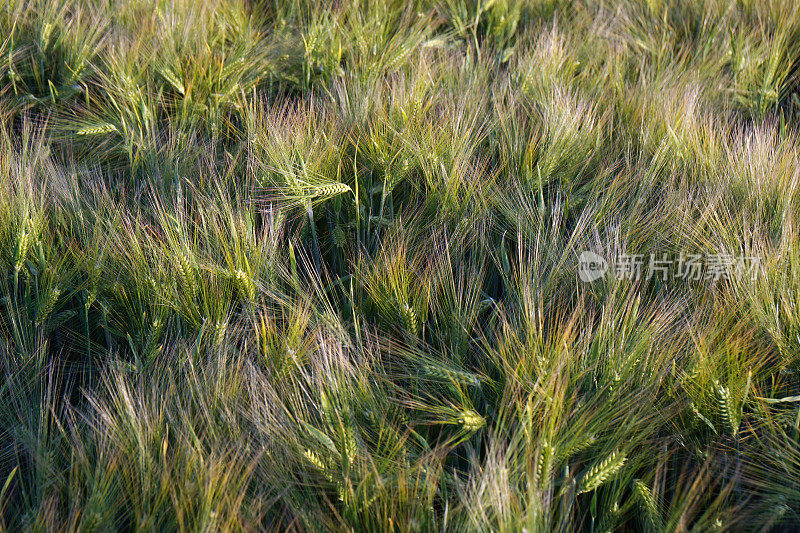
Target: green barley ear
<point>329,190</point>
<point>153,335</point>
<point>350,444</point>
<point>610,519</point>
<point>544,463</point>
<point>726,408</point>
<point>232,66</point>
<point>450,374</point>
<point>46,33</point>
<point>601,472</point>
<point>576,447</point>
<point>220,329</point>
<point>169,75</point>
<point>186,273</point>
<point>46,305</point>
<point>326,408</point>
<point>337,236</point>
<point>97,129</point>
<point>23,244</point>
<point>245,285</point>
<point>471,421</point>
<point>647,506</point>
<point>392,178</point>
<point>315,460</point>
<point>152,286</point>
<point>409,318</point>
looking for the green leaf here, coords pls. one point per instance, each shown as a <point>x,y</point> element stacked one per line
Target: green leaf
<point>321,437</point>
<point>787,399</point>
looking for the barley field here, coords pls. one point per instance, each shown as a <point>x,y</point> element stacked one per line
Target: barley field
<point>385,265</point>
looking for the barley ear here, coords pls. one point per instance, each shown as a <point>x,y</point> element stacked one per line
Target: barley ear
<point>601,471</point>
<point>647,506</point>
<point>727,411</point>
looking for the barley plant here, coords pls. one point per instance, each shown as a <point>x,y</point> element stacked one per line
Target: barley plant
<point>316,266</point>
